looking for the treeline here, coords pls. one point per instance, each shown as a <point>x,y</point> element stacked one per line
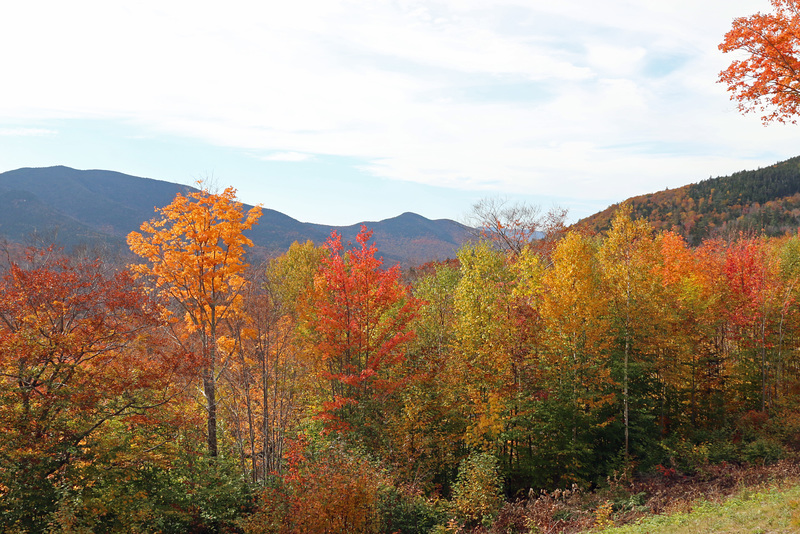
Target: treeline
<point>323,392</point>
<point>764,201</point>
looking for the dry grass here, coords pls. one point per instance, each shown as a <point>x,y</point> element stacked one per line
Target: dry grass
<point>756,499</point>
<point>770,510</point>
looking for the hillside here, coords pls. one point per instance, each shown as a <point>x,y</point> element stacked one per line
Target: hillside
<point>99,208</point>
<point>765,200</point>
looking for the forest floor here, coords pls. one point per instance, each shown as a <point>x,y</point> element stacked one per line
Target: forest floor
<point>666,500</point>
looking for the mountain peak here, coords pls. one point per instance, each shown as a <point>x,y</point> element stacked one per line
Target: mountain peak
<point>92,206</point>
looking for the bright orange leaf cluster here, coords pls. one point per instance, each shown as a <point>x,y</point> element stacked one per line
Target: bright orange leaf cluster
<point>195,252</point>
<point>767,80</point>
<point>195,258</point>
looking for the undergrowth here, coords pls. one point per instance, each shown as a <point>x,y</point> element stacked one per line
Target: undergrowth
<point>663,501</point>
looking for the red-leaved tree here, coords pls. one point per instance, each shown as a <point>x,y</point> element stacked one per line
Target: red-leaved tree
<point>358,319</point>
<point>83,369</point>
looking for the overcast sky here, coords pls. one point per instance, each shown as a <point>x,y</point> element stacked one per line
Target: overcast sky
<point>338,112</point>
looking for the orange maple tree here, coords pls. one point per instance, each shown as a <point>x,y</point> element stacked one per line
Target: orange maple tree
<point>767,80</point>
<point>195,253</point>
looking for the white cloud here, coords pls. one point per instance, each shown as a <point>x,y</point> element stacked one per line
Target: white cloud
<point>383,80</point>
<point>288,156</point>
<point>616,61</point>
<point>26,132</point>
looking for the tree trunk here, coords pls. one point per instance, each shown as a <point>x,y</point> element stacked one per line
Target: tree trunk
<point>210,388</point>
<point>210,392</point>
<point>625,396</point>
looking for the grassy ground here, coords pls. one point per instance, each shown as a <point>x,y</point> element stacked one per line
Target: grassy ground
<point>766,511</point>
<point>716,499</point>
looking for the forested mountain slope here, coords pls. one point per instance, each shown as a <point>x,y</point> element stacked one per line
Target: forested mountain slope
<point>765,200</point>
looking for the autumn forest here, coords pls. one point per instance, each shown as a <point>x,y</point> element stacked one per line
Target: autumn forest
<point>323,391</point>
<point>192,386</point>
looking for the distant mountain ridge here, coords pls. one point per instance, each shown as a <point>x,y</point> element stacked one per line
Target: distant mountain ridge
<point>96,207</point>
<point>764,200</point>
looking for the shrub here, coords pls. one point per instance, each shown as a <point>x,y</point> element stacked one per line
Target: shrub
<point>685,455</point>
<point>477,492</point>
<point>195,493</point>
<point>403,512</point>
<point>723,450</point>
<point>327,490</point>
<point>763,452</point>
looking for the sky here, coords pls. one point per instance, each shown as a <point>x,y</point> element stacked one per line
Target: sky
<point>338,111</point>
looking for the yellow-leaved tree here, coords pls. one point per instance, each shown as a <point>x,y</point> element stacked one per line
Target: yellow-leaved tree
<point>575,312</point>
<point>195,257</point>
<point>628,259</point>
